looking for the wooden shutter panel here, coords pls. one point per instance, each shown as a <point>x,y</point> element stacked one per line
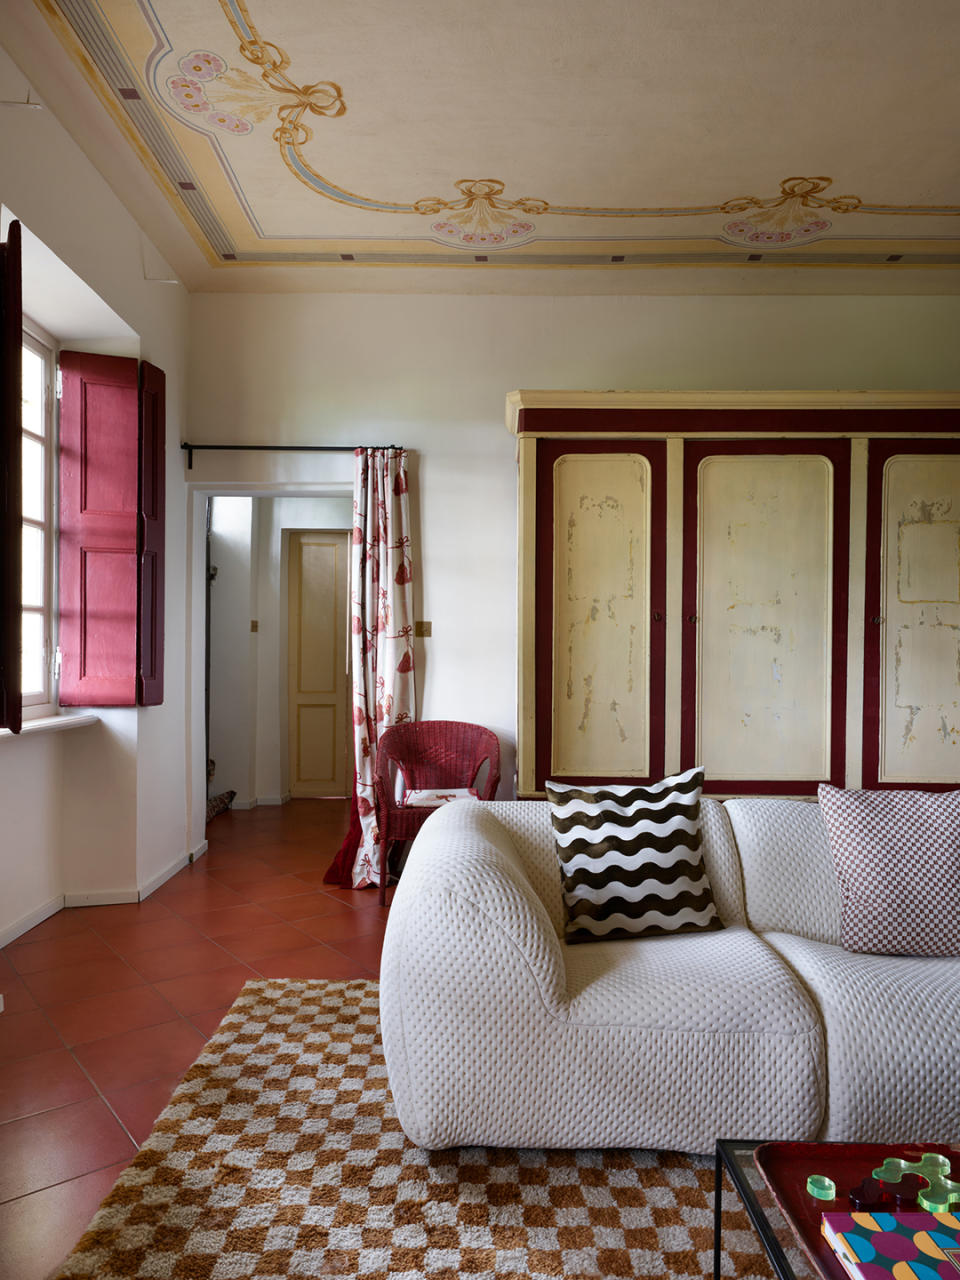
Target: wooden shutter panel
<point>11,477</point>
<point>152,530</point>
<point>98,530</point>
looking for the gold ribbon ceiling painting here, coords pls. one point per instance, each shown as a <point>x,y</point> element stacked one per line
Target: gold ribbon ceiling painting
<point>232,97</point>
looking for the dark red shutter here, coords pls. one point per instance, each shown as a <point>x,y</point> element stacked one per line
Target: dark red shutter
<point>11,477</point>
<point>98,530</point>
<point>152,505</point>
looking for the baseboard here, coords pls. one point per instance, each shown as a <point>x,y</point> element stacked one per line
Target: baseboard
<point>271,800</point>
<point>30,920</point>
<point>105,898</point>
<point>163,876</point>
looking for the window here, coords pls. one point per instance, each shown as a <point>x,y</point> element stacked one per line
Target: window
<point>81,516</point>
<point>38,624</point>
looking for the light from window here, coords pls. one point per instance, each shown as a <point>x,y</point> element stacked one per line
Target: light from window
<point>37,634</point>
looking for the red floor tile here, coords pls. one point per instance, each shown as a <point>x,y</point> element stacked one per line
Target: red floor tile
<point>38,1230</point>
<point>58,926</point>
<point>40,1082</point>
<point>16,997</point>
<point>75,981</point>
<point>133,939</point>
<point>306,904</point>
<point>344,928</point>
<point>364,951</point>
<point>22,1034</point>
<point>272,887</point>
<point>82,1021</point>
<point>316,879</point>
<point>313,962</point>
<point>120,913</point>
<point>232,919</point>
<point>239,871</point>
<point>208,1020</point>
<point>208,895</point>
<point>199,991</point>
<point>119,1061</point>
<point>174,962</point>
<point>56,1145</point>
<point>54,953</point>
<point>262,877</point>
<point>138,1105</point>
<point>268,940</point>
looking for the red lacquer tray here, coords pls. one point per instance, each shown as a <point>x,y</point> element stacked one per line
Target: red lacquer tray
<point>785,1167</point>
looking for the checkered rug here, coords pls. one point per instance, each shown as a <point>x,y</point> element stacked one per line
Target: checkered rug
<point>280,1155</point>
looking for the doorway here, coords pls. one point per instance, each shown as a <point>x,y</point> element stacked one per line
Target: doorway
<point>318,739</point>
<point>251,718</point>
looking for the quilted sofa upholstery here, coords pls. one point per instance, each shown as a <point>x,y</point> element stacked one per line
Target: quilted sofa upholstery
<point>496,1033</point>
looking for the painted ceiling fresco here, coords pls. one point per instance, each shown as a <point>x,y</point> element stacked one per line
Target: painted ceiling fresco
<point>552,133</point>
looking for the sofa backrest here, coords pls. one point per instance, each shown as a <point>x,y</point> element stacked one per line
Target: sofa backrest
<point>788,875</point>
<point>530,828</point>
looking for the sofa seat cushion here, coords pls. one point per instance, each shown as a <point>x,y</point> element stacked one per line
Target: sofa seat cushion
<point>891,1035</point>
<point>719,983</point>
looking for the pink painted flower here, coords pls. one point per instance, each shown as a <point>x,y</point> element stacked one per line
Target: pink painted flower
<point>739,228</point>
<point>189,93</point>
<point>813,228</point>
<point>770,237</point>
<point>447,228</point>
<point>520,228</point>
<point>202,65</point>
<point>228,123</point>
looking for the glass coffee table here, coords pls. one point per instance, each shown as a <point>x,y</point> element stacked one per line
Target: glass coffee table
<point>781,1246</point>
<point>786,1217</point>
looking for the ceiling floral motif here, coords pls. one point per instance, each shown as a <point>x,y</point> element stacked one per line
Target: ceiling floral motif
<point>224,113</point>
<point>483,216</point>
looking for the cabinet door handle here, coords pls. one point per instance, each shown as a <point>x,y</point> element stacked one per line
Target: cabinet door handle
<point>657,616</point>
<point>691,617</point>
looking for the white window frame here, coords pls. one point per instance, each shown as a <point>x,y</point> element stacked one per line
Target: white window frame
<point>36,705</point>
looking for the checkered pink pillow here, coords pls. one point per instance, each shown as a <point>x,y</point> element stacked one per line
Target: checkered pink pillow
<point>897,858</point>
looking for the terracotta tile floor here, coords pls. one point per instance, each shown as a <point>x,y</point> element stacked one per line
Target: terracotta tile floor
<point>106,1007</point>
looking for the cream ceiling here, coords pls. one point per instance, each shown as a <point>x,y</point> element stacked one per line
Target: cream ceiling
<point>311,141</point>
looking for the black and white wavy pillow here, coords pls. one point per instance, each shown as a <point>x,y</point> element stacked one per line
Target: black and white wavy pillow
<point>630,860</point>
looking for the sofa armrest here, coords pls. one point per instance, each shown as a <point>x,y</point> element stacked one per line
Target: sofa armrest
<point>468,945</point>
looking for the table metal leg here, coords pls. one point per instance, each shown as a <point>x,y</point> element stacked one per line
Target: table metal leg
<point>717,1212</point>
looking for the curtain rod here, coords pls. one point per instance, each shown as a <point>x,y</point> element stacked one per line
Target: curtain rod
<point>283,448</point>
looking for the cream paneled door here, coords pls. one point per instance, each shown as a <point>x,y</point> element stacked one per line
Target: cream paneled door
<point>765,671</point>
<point>318,683</point>
<point>916,625</point>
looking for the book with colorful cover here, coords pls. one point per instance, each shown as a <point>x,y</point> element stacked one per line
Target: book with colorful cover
<point>905,1246</point>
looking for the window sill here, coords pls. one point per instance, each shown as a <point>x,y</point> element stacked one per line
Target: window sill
<point>54,724</point>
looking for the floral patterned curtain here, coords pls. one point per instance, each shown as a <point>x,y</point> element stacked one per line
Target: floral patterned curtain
<point>382,642</point>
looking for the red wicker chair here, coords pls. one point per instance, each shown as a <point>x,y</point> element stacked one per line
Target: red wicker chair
<point>428,755</point>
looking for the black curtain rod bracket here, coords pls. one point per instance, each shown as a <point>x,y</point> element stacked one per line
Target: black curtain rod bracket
<point>281,448</point>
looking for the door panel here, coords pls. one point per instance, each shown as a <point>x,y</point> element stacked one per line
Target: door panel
<point>318,683</point>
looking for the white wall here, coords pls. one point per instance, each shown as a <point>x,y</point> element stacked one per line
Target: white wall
<point>233,648</point>
<point>428,372</point>
<point>100,810</point>
<point>431,373</point>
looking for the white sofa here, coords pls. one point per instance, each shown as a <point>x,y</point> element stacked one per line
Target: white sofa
<point>497,1033</point>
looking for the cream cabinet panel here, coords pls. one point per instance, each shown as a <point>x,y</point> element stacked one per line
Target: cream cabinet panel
<point>920,618</point>
<point>601,604</point>
<point>765,585</point>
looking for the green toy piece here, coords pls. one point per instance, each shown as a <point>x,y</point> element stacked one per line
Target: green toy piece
<point>940,1195</point>
<point>821,1187</point>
